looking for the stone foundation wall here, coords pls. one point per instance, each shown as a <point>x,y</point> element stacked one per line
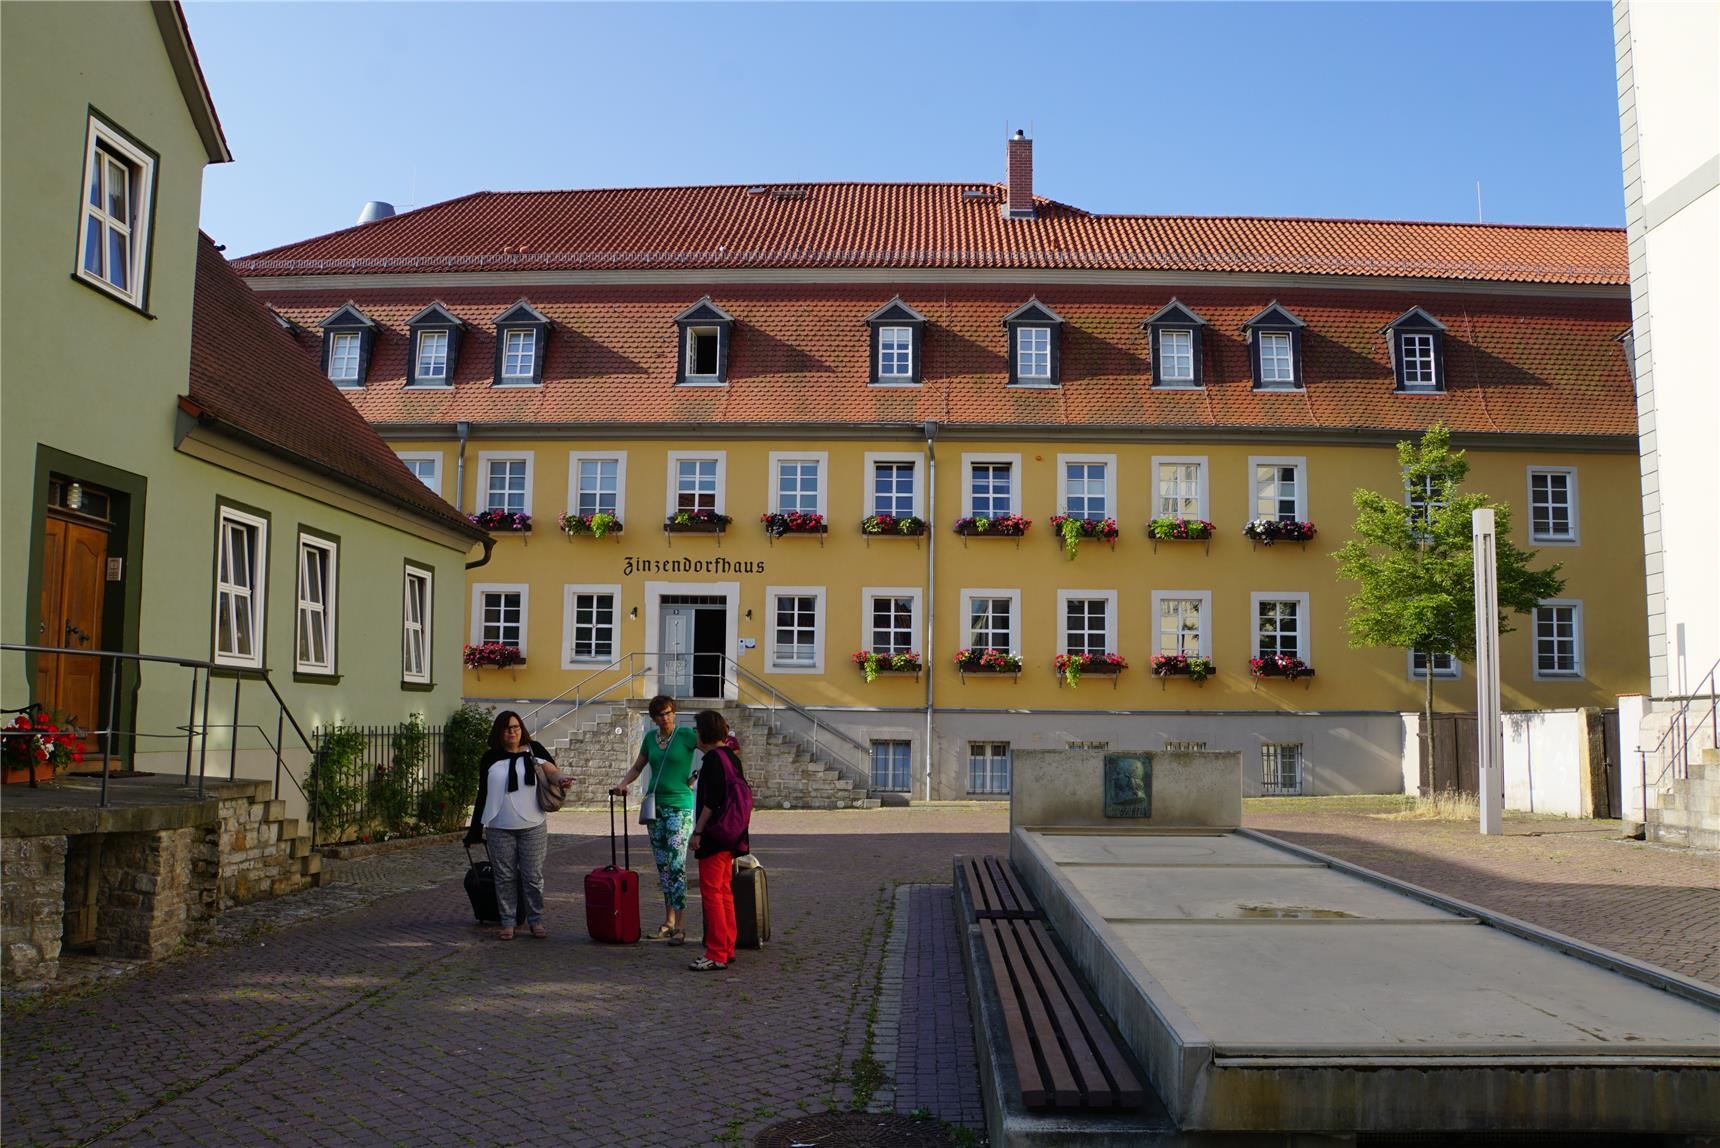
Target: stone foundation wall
<point>256,861</point>
<point>145,893</point>
<point>33,874</point>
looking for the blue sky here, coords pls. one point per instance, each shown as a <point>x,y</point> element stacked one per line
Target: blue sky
<point>1345,110</point>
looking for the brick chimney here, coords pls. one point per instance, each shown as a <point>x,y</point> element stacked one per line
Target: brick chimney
<point>1020,162</point>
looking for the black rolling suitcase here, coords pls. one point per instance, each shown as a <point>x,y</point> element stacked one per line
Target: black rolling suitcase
<point>752,904</point>
<point>481,888</point>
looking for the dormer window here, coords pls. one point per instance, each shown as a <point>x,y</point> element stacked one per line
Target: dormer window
<point>705,330</point>
<point>1275,349</point>
<point>348,338</point>
<point>435,334</point>
<point>1174,343</point>
<point>1416,342</point>
<point>896,329</point>
<point>522,333</point>
<point>1034,358</point>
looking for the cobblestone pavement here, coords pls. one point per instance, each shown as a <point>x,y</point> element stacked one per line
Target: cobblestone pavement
<point>373,1011</point>
<point>1656,903</point>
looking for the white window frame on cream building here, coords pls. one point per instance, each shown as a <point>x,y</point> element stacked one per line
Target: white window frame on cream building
<point>894,458</point>
<point>434,483</point>
<point>1204,600</point>
<point>1304,631</point>
<point>1064,597</point>
<point>570,594</point>
<point>677,457</point>
<point>488,457</point>
<point>1277,461</point>
<point>479,589</point>
<point>819,619</point>
<point>1572,538</point>
<point>820,458</point>
<point>1013,461</point>
<point>619,458</point>
<point>1108,461</point>
<point>965,620</point>
<point>916,614</point>
<point>1201,477</point>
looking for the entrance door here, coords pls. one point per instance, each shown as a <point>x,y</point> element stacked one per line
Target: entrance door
<point>675,667</point>
<point>74,569</point>
<point>693,641</point>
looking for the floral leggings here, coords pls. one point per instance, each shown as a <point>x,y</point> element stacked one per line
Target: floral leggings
<point>669,836</point>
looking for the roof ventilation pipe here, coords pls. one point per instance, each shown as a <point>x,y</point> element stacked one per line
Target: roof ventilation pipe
<point>374,210</point>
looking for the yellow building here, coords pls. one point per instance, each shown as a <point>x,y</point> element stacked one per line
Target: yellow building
<point>940,353</point>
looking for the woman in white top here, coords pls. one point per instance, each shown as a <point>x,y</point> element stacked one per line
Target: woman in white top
<point>514,830</point>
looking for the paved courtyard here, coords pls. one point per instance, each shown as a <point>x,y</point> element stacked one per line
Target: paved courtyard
<point>374,1012</point>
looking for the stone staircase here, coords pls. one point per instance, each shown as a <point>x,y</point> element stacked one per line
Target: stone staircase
<point>262,852</point>
<point>779,766</point>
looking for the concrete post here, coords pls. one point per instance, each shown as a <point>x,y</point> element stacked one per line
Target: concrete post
<point>1489,732</point>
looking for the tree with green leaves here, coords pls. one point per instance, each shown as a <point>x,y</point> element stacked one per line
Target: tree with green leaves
<point>1413,559</point>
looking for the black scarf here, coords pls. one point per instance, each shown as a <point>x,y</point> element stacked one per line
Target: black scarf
<point>515,775</point>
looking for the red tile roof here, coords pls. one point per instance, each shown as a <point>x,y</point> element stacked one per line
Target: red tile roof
<point>1516,363</point>
<point>249,374</point>
<point>921,225</point>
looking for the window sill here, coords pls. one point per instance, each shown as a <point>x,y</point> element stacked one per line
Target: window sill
<point>314,677</point>
<point>415,385</point>
<point>1286,388</point>
<point>703,381</point>
<point>1434,390</point>
<point>517,384</point>
<point>418,687</point>
<point>1176,387</point>
<point>1033,385</point>
<point>107,292</point>
<point>896,384</point>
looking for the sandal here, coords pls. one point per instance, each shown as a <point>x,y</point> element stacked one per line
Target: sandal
<point>663,933</point>
<point>678,937</point>
<point>706,965</point>
<point>539,931</point>
<point>505,935</point>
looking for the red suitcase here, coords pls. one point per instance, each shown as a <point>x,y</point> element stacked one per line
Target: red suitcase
<point>611,893</point>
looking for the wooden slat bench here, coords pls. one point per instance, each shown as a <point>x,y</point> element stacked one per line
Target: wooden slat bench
<point>1065,1056</point>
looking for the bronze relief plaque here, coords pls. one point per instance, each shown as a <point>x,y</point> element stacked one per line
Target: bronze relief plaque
<point>1128,785</point>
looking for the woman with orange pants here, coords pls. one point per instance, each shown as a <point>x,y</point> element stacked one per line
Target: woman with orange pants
<point>724,805</point>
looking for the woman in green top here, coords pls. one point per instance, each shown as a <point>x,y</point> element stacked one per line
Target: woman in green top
<point>669,751</point>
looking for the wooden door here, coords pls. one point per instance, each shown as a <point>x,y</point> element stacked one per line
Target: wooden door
<point>74,570</point>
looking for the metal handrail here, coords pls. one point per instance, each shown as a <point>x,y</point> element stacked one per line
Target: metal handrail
<point>826,742</point>
<point>193,729</point>
<point>1681,735</point>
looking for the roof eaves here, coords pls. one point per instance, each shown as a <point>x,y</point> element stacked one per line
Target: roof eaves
<point>182,54</point>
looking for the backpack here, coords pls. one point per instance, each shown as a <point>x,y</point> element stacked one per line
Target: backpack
<point>729,826</point>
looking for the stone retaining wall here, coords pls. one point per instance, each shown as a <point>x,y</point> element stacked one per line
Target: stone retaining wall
<point>33,876</point>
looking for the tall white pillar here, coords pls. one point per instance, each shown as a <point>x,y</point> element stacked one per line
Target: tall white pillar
<point>1489,731</point>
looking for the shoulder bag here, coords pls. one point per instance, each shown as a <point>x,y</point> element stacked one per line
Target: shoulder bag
<point>551,788</point>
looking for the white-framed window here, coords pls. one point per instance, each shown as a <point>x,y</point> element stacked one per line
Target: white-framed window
<point>697,480</point>
<point>118,201</point>
<point>499,614</point>
<point>1176,356</point>
<point>1445,666</point>
<point>990,620</point>
<point>415,626</point>
<point>1033,354</point>
<point>988,767</point>
<point>519,355</point>
<point>794,637</point>
<point>1279,487</point>
<point>1277,360</point>
<point>344,352</point>
<point>426,467</point>
<point>1179,486</point>
<point>1422,496</point>
<point>896,353</point>
<point>989,486</point>
<point>890,619</point>
<point>597,483</point>
<point>431,367</point>
<point>1559,638</point>
<point>1553,504</point>
<point>1182,622</point>
<point>1087,485</point>
<point>506,482</point>
<point>1416,365</point>
<point>1280,625</point>
<point>797,481</point>
<point>590,617</point>
<point>702,356</point>
<point>893,484</point>
<point>892,766</point>
<point>1087,621</point>
<point>241,569</point>
<point>318,578</point>
<point>1280,769</point>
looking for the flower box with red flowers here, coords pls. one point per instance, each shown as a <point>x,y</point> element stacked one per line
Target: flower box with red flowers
<point>599,525</point>
<point>1071,531</point>
<point>492,655</point>
<point>36,747</point>
<point>1266,531</point>
<point>872,663</point>
<point>973,661</point>
<point>1280,666</point>
<point>1073,667</point>
<point>1169,529</point>
<point>1002,526</point>
<point>506,521</point>
<point>1196,669</point>
<point>793,522</point>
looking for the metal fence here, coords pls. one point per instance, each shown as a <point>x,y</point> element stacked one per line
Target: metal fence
<point>385,781</point>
